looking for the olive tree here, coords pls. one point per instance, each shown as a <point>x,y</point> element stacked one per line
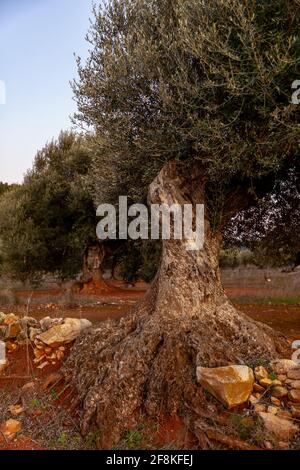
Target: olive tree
<point>192,100</point>
<point>47,224</point>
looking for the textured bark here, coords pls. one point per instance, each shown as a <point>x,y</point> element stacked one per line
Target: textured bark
<point>92,262</point>
<point>92,277</point>
<point>147,361</point>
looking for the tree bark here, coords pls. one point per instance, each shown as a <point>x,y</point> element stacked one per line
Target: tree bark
<point>92,262</point>
<point>146,362</point>
<point>92,277</point>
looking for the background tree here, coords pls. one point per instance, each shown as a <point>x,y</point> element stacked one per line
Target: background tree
<point>47,223</point>
<point>139,260</point>
<point>271,229</point>
<point>4,187</point>
<point>195,97</point>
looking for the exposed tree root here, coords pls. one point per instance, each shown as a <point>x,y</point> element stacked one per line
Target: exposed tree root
<point>228,441</point>
<point>148,364</point>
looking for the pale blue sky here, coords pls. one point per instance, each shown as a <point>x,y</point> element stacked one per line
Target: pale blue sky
<point>37,41</point>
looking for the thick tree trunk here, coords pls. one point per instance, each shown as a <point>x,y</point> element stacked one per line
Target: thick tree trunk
<point>146,362</point>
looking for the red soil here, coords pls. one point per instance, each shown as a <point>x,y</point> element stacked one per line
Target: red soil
<point>21,369</point>
<point>173,431</point>
<point>167,430</point>
<point>19,443</point>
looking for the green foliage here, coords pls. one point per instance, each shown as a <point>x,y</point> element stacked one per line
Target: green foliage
<point>35,403</point>
<point>272,375</point>
<point>234,257</point>
<point>246,426</point>
<point>4,187</point>
<point>54,394</point>
<point>134,439</point>
<point>131,263</point>
<point>46,223</point>
<point>271,230</point>
<point>205,82</point>
<point>92,439</point>
<point>256,362</point>
<point>140,260</point>
<point>151,253</point>
<point>62,439</point>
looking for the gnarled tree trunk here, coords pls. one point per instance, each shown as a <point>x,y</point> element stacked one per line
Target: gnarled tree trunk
<point>91,280</point>
<point>146,362</point>
<point>92,262</point>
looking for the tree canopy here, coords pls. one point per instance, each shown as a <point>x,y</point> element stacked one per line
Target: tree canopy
<point>195,81</point>
<point>47,222</point>
<point>271,229</point>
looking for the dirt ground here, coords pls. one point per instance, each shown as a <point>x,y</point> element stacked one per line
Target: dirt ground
<point>48,422</point>
<point>261,303</point>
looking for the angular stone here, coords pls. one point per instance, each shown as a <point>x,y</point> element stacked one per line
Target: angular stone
<point>22,338</point>
<point>281,377</point>
<point>38,360</point>
<point>260,407</point>
<point>289,381</point>
<point>16,410</point>
<point>11,427</point>
<point>48,322</point>
<point>43,365</point>
<point>265,382</point>
<point>10,318</point>
<point>27,323</point>
<point>38,353</point>
<point>2,317</point>
<point>13,330</point>
<point>253,400</point>
<point>282,366</point>
<point>284,414</point>
<point>279,392</point>
<point>283,445</point>
<point>60,355</point>
<point>294,374</point>
<point>268,445</point>
<point>295,384</point>
<point>232,385</point>
<point>275,401</point>
<point>258,388</point>
<point>64,333</point>
<point>276,382</point>
<point>272,409</point>
<point>261,372</point>
<point>294,396</point>
<point>33,332</point>
<point>281,428</point>
<point>295,410</point>
<point>29,387</point>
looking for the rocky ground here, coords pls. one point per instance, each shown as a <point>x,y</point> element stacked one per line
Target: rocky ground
<point>269,396</point>
<point>253,406</point>
<point>36,406</point>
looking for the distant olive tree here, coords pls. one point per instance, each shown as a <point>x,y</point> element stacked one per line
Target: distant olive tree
<point>47,222</point>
